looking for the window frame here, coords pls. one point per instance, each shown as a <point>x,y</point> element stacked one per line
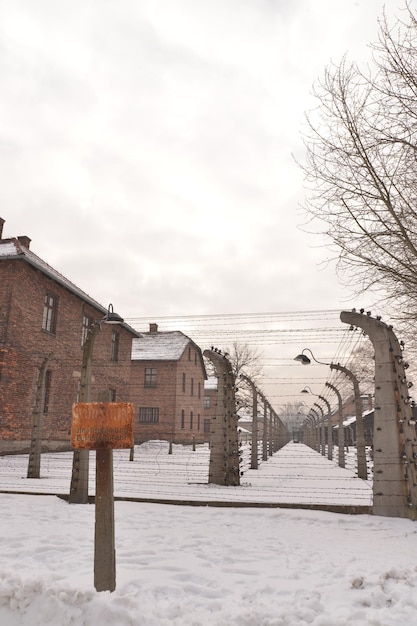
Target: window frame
<point>150,377</point>
<point>86,325</point>
<point>115,346</point>
<point>148,415</point>
<point>50,313</point>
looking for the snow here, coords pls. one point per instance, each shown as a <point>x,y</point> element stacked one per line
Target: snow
<point>8,249</point>
<point>205,565</point>
<point>159,346</point>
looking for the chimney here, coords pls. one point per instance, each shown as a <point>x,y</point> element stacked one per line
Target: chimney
<point>1,227</point>
<point>153,328</point>
<point>25,241</point>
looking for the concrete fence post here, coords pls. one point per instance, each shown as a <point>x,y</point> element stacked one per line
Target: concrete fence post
<point>224,467</point>
<point>395,441</point>
<point>360,435</point>
<point>341,430</point>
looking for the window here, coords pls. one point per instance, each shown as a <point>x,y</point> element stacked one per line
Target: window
<point>191,420</point>
<point>183,382</point>
<point>49,313</point>
<point>199,390</point>
<point>112,395</point>
<point>150,376</point>
<point>87,322</point>
<point>206,402</point>
<point>47,391</point>
<point>189,353</point>
<point>192,386</point>
<point>206,425</point>
<point>115,345</point>
<point>198,421</point>
<point>182,418</point>
<point>148,415</point>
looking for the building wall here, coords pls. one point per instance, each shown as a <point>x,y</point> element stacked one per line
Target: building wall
<point>180,408</point>
<point>211,396</point>
<point>190,401</point>
<point>24,345</point>
<point>161,397</point>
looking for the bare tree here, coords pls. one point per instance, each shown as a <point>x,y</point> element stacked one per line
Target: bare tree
<point>362,364</point>
<point>292,413</point>
<point>244,360</point>
<point>362,163</point>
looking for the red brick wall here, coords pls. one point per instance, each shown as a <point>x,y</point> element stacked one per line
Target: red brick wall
<point>163,397</point>
<point>24,345</point>
<point>191,400</point>
<point>168,396</point>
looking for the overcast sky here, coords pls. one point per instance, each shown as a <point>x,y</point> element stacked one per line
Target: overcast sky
<point>146,146</point>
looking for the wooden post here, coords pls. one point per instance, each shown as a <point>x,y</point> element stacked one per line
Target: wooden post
<point>104,543</point>
<point>34,465</point>
<point>102,426</point>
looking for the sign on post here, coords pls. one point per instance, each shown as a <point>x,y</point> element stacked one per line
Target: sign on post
<point>102,425</point>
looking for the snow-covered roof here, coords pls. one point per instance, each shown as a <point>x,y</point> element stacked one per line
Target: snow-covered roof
<point>211,382</point>
<point>160,346</point>
<point>14,249</point>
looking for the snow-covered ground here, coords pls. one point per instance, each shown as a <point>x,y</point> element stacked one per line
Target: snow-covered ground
<point>205,565</point>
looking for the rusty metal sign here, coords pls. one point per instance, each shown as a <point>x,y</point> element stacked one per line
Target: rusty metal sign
<point>102,425</point>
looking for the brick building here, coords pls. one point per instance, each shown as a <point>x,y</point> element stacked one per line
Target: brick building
<point>44,315</point>
<point>167,387</point>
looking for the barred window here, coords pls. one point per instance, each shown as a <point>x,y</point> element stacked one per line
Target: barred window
<point>148,415</point>
<point>206,402</point>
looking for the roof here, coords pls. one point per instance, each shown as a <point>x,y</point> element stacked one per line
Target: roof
<point>160,346</point>
<point>12,249</point>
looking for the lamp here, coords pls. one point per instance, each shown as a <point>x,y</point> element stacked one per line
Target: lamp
<point>304,360</point>
<point>111,317</point>
<point>307,389</point>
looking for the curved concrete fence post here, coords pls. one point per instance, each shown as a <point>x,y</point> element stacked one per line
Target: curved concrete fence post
<point>254,448</point>
<point>360,435</point>
<point>395,441</point>
<point>224,440</point>
<point>341,432</point>
<point>329,429</point>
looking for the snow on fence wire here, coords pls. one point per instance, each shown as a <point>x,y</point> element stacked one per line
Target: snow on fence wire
<point>293,475</point>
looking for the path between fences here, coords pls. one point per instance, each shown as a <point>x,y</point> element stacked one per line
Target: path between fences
<point>296,477</point>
